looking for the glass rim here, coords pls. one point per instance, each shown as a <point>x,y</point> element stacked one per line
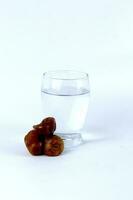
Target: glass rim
<point>51,74</point>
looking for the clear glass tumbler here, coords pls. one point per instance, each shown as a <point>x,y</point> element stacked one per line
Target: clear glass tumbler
<point>65,96</point>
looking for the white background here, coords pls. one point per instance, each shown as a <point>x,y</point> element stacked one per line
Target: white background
<point>91,36</point>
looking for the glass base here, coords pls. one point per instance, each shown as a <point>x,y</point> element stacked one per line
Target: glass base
<point>71,140</point>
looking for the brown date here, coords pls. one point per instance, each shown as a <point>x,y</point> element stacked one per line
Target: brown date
<point>53,146</point>
<point>47,126</point>
<point>34,142</point>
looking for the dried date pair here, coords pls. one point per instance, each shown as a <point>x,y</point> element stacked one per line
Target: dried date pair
<point>41,141</point>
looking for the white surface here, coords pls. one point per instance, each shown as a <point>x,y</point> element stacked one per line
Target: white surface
<point>96,37</point>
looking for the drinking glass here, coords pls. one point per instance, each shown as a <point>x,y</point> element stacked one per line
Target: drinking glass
<point>65,96</point>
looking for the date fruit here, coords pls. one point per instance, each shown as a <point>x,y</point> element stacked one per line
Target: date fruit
<point>41,141</point>
<point>33,142</point>
<point>47,126</point>
<point>53,146</point>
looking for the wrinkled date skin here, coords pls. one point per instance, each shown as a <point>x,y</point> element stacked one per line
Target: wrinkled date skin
<point>53,146</point>
<point>47,126</point>
<point>34,142</point>
<point>36,148</point>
